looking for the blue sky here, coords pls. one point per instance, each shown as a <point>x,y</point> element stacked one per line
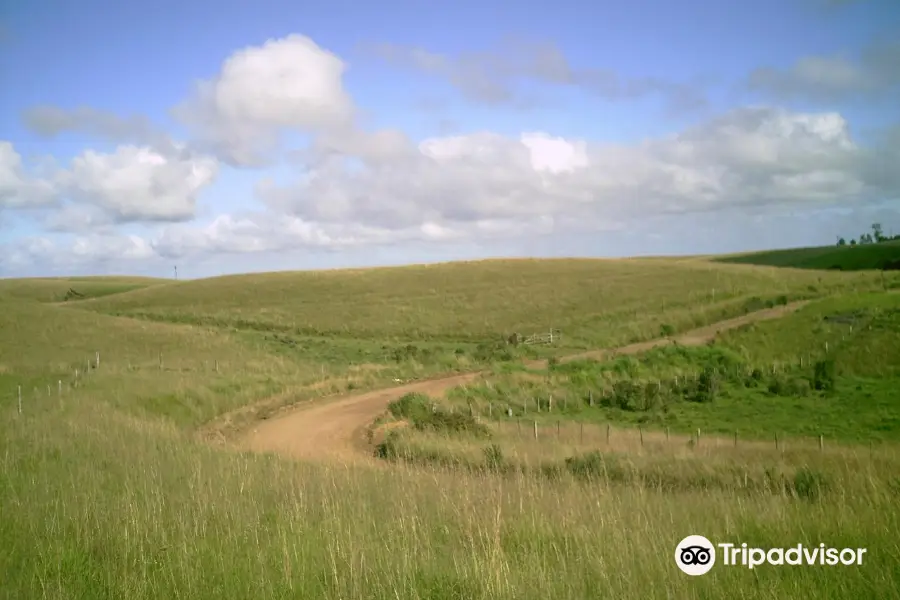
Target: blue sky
<point>681,128</point>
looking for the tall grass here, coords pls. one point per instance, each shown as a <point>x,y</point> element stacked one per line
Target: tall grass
<point>97,505</point>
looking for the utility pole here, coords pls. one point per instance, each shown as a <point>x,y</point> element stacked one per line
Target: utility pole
<point>176,271</point>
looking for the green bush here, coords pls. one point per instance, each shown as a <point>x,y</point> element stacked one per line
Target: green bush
<point>823,375</point>
<point>708,385</point>
<point>412,406</point>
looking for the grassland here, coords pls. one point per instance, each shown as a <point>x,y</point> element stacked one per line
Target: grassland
<point>884,255</point>
<point>58,289</point>
<point>109,494</point>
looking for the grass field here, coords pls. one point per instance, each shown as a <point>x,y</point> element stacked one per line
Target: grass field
<point>108,492</point>
<point>884,255</point>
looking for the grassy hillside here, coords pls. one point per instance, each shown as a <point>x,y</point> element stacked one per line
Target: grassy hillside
<point>112,495</point>
<point>594,302</point>
<point>885,255</point>
<point>57,289</point>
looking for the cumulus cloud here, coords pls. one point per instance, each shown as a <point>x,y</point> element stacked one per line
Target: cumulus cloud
<point>287,84</point>
<point>130,184</point>
<point>750,157</point>
<point>18,188</point>
<point>355,188</point>
<point>138,184</point>
<point>875,71</point>
<point>492,76</point>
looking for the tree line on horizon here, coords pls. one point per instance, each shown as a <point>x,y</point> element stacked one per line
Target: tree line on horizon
<point>875,237</point>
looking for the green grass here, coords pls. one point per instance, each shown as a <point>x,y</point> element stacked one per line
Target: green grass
<point>56,289</point>
<point>764,377</point>
<point>100,506</point>
<point>107,493</point>
<point>841,258</point>
<point>594,303</point>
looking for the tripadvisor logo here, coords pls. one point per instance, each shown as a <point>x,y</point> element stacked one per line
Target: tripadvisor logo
<point>696,555</point>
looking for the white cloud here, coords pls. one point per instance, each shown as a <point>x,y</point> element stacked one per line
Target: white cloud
<point>267,233</point>
<point>748,157</point>
<point>138,184</point>
<point>285,84</point>
<point>49,255</point>
<point>356,188</point>
<point>130,184</point>
<point>18,189</point>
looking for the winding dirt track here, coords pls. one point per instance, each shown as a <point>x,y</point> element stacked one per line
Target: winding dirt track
<point>336,430</point>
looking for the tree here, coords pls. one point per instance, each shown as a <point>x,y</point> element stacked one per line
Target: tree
<point>842,242</point>
<point>865,238</point>
<point>852,242</point>
<point>878,232</point>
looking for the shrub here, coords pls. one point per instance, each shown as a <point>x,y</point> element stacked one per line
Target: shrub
<point>784,386</point>
<point>412,406</point>
<point>627,395</point>
<point>456,423</point>
<point>389,449</point>
<point>823,375</point>
<point>666,330</point>
<point>707,386</point>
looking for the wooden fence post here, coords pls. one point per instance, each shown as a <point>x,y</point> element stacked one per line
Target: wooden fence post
<point>48,390</point>
<point>667,433</point>
<point>821,442</point>
<point>20,399</point>
<point>59,386</point>
<point>217,366</point>
<point>98,360</point>
<point>641,433</point>
<point>607,433</point>
<point>581,435</point>
<point>698,436</point>
<point>160,362</point>
<point>550,403</point>
<point>535,430</point>
<point>590,397</point>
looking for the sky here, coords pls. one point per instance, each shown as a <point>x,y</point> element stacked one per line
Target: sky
<point>223,137</point>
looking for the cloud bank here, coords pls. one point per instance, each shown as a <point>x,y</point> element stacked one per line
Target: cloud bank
<point>354,187</point>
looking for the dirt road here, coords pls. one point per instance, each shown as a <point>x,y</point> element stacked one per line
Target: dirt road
<point>336,430</point>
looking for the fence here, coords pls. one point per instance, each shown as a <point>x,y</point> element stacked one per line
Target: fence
<point>543,338</point>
